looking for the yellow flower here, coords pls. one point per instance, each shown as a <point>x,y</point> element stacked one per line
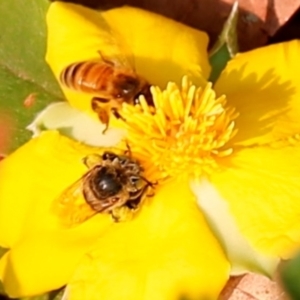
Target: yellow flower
<point>263,174</point>
<point>240,144</point>
<point>236,145</point>
<point>168,240</point>
<point>167,250</point>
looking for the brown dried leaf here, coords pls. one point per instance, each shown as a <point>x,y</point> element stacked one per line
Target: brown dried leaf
<point>252,287</point>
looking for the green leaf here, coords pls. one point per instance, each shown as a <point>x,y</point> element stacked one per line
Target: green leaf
<point>23,70</point>
<point>218,62</point>
<point>290,274</point>
<point>226,46</point>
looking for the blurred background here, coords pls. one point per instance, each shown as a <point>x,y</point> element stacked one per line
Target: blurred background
<point>261,22</point>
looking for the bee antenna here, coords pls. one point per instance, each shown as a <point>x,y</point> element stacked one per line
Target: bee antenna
<point>84,160</point>
<point>117,114</point>
<point>128,151</point>
<point>149,183</point>
<point>105,59</point>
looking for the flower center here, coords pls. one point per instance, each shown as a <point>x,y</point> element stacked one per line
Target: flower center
<point>185,133</point>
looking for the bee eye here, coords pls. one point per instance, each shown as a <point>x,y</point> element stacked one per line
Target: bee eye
<point>127,86</point>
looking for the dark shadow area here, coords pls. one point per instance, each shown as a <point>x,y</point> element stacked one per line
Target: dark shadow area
<point>258,94</point>
<point>252,31</point>
<point>290,31</point>
<point>206,15</point>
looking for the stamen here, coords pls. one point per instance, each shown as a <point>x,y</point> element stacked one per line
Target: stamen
<point>186,132</point>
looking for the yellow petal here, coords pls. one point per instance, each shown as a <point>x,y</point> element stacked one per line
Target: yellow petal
<point>242,256</point>
<point>166,252</point>
<point>43,254</point>
<point>263,86</point>
<point>158,48</point>
<point>45,260</point>
<point>160,53</point>
<point>31,178</point>
<point>262,188</point>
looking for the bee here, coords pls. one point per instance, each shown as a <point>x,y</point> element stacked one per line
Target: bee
<point>114,184</point>
<point>111,80</point>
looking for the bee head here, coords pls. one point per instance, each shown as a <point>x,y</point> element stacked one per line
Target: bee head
<point>127,87</point>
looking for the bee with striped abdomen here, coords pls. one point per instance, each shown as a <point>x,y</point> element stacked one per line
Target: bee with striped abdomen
<point>111,81</point>
<point>114,184</point>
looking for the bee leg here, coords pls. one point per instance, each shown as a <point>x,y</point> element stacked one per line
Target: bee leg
<point>121,214</point>
<point>128,150</point>
<point>100,111</point>
<point>117,114</point>
<point>133,205</point>
<point>150,195</point>
<point>92,160</point>
<point>105,59</point>
<point>105,129</point>
<point>150,184</point>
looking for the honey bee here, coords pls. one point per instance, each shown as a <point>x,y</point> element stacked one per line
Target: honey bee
<point>114,184</point>
<point>112,81</point>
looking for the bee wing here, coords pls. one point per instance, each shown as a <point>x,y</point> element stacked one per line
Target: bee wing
<point>71,207</point>
<point>115,48</point>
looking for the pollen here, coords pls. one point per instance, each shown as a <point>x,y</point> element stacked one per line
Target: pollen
<point>184,134</point>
